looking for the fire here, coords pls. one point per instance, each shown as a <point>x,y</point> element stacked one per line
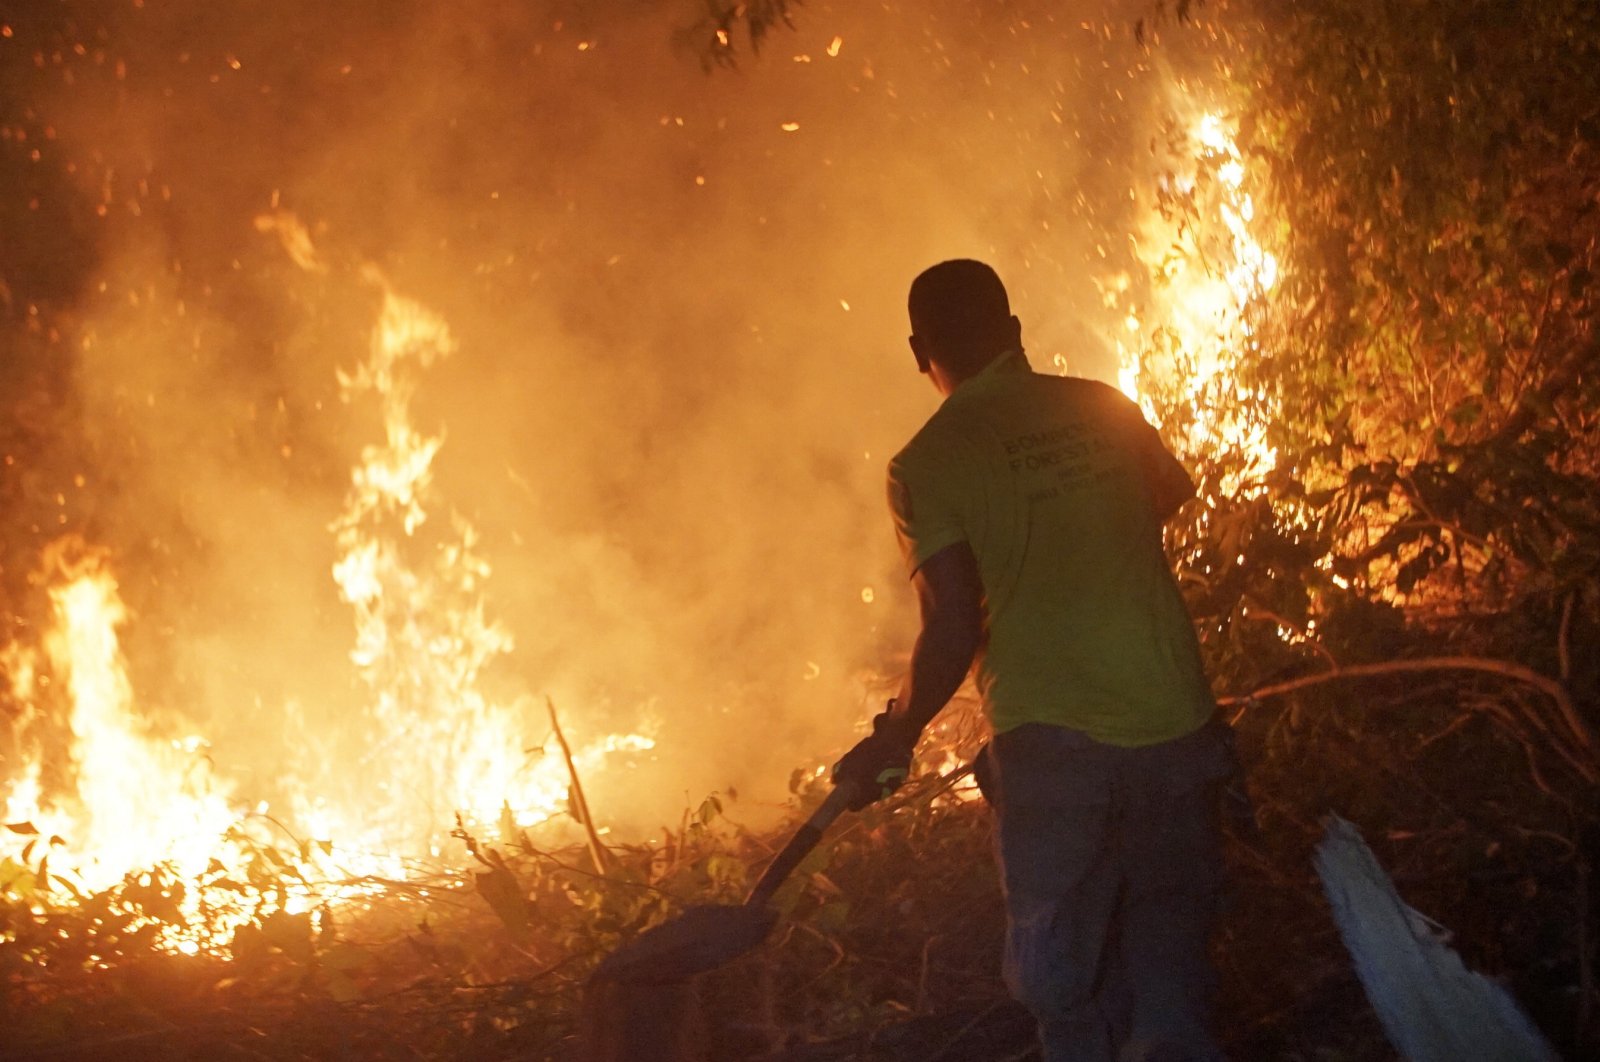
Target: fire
<point>1208,266</point>
<point>136,799</point>
<point>118,803</point>
<point>142,796</point>
<point>422,638</point>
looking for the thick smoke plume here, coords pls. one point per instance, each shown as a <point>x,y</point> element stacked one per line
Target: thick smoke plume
<point>677,298</point>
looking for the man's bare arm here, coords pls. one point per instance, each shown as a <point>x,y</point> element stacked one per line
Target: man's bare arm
<point>950,594</point>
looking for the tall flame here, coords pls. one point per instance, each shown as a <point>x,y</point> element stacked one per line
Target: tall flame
<point>135,799</point>
<point>1209,267</point>
<point>422,638</point>
<point>124,801</point>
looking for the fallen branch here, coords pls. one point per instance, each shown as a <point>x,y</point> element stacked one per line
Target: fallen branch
<point>597,851</point>
<point>1579,730</point>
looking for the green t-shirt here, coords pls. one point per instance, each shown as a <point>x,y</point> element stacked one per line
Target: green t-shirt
<point>1052,481</point>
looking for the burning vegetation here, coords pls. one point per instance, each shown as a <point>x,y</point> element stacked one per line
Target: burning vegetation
<point>442,459</point>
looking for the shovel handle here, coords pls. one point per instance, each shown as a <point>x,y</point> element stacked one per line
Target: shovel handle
<point>800,845</point>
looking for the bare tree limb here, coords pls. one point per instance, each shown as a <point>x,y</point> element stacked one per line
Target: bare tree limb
<point>1574,723</point>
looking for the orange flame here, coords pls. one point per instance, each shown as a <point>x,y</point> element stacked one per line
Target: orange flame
<point>136,799</point>
<point>137,805</point>
<point>1208,269</point>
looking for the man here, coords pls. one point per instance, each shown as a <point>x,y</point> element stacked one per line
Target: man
<point>1029,509</point>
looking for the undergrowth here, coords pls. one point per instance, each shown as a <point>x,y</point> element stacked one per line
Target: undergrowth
<point>889,944</point>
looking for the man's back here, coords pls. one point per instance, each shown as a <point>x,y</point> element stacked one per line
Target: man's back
<point>1060,488</point>
<point>1032,505</point>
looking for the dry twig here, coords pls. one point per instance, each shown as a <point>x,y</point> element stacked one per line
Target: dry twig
<point>597,851</point>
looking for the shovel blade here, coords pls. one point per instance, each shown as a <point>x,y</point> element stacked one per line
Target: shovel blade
<point>698,940</point>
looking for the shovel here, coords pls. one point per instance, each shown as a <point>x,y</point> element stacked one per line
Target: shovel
<point>705,937</point>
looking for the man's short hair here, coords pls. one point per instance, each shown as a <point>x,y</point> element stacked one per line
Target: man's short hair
<point>961,302</point>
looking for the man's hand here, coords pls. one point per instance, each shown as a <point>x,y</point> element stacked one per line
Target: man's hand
<point>880,761</point>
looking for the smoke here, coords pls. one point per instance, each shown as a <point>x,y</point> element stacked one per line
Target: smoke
<point>678,301</point>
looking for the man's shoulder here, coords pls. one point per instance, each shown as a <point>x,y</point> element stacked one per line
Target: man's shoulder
<point>1092,399</point>
<point>1081,389</point>
<point>939,438</point>
<point>948,433</point>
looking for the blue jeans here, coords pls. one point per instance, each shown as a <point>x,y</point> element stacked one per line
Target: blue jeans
<point>1111,863</point>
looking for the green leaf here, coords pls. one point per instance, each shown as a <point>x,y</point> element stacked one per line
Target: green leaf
<point>248,944</point>
<point>341,986</point>
<point>16,879</point>
<point>832,917</point>
<point>289,933</point>
<point>345,956</point>
<point>725,871</point>
<point>1468,412</point>
<point>501,892</point>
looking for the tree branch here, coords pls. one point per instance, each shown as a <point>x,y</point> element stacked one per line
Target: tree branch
<point>1578,729</point>
<point>1533,403</point>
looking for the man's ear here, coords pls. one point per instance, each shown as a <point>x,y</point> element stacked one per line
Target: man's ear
<point>1014,332</point>
<point>919,354</point>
